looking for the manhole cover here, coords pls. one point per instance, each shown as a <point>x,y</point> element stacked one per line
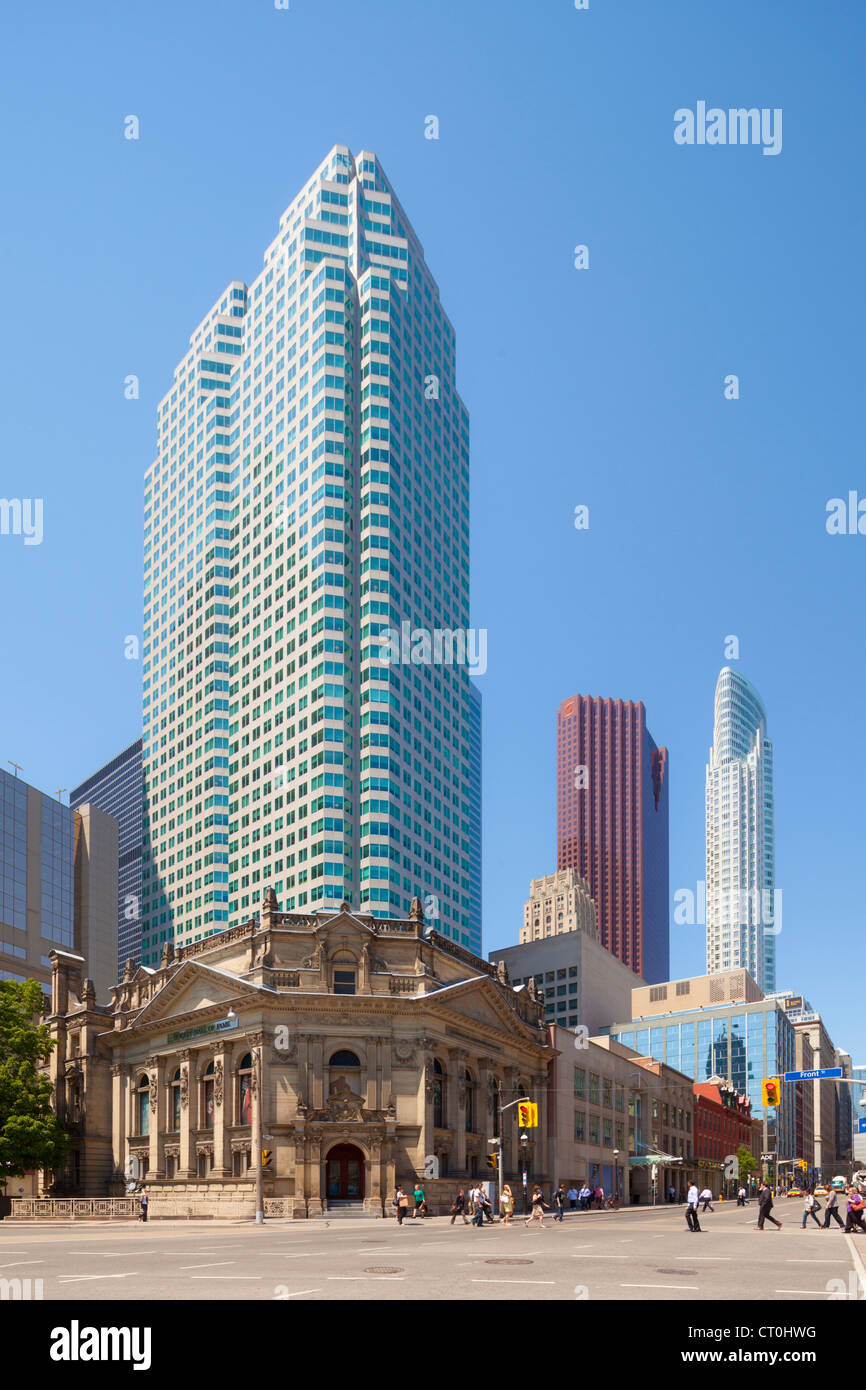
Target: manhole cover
<point>676,1271</point>
<point>384,1269</point>
<point>509,1262</point>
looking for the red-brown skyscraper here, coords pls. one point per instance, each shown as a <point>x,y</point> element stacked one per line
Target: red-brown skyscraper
<point>612,824</point>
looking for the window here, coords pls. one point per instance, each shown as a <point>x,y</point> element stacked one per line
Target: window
<point>174,1102</point>
<point>580,1083</point>
<point>658,992</point>
<point>438,1089</point>
<point>469,1104</point>
<point>207,1097</point>
<point>579,1127</point>
<point>143,1105</point>
<point>245,1090</point>
<point>593,1129</point>
<point>344,981</point>
<point>607,1133</point>
<point>607,1092</point>
<point>593,1088</point>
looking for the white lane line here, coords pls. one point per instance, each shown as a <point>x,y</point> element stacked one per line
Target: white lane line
<point>213,1264</point>
<point>14,1263</point>
<point>363,1278</point>
<point>227,1276</point>
<point>816,1262</point>
<point>512,1281</point>
<point>704,1257</point>
<point>304,1255</point>
<point>812,1292</point>
<point>80,1278</point>
<point>858,1263</point>
<point>601,1257</point>
<point>693,1287</point>
<point>301,1292</point>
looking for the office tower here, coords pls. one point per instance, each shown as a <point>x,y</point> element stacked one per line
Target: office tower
<point>559,902</point>
<point>742,915</point>
<point>116,789</point>
<point>58,885</point>
<point>612,824</point>
<point>583,984</point>
<point>309,500</point>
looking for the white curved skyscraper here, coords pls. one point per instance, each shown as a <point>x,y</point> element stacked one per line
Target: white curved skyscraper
<point>743,909</point>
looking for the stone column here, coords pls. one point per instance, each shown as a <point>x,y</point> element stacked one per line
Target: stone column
<point>186,1165</point>
<point>301,1193</point>
<point>222,1109</point>
<point>156,1155</point>
<point>539,1094</point>
<point>317,1059</point>
<point>120,1151</point>
<point>387,1074</point>
<point>457,1105</point>
<point>373,1190</point>
<point>314,1202</point>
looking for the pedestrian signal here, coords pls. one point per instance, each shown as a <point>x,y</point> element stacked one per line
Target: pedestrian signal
<point>527,1114</point>
<point>493,1161</point>
<point>266,1158</point>
<point>771,1090</point>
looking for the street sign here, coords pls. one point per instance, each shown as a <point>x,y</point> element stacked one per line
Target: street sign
<point>524,1177</point>
<point>861,1126</point>
<point>813,1075</point>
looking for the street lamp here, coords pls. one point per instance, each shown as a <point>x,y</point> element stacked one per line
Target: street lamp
<point>615,1178</point>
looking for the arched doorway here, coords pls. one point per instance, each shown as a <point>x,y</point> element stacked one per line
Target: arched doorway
<point>344,1174</point>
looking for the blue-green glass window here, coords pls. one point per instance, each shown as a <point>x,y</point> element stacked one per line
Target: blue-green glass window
<point>672,1045</point>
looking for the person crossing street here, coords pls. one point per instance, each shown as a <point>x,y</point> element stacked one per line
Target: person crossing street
<point>692,1201</point>
<point>831,1210</point>
<point>765,1206</point>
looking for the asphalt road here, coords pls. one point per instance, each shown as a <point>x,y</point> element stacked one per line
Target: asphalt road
<point>627,1255</point>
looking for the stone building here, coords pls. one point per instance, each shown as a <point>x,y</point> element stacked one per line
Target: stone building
<point>365,1052</point>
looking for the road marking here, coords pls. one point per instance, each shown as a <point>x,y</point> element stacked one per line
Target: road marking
<point>813,1292</point>
<point>601,1257</point>
<point>305,1254</point>
<point>300,1292</point>
<point>227,1276</point>
<point>512,1281</point>
<point>706,1257</point>
<point>214,1264</point>
<point>363,1278</point>
<point>80,1278</point>
<point>815,1262</point>
<point>693,1287</point>
<point>14,1263</point>
<point>858,1263</point>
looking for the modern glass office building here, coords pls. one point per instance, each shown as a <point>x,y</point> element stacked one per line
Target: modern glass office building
<point>744,1043</point>
<point>36,880</point>
<point>310,500</point>
<point>116,789</point>
<point>743,908</point>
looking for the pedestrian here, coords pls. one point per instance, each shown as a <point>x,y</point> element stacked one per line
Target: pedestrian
<point>401,1204</point>
<point>856,1205</point>
<point>692,1201</point>
<point>538,1207</point>
<point>458,1208</point>
<point>765,1206</point>
<point>707,1199</point>
<point>143,1202</point>
<point>585,1198</point>
<point>672,1192</point>
<point>486,1205</point>
<point>831,1210</point>
<point>741,1196</point>
<point>420,1201</point>
<point>506,1204</point>
<point>478,1210</point>
<point>572,1195</point>
<point>559,1203</point>
<point>811,1206</point>
<point>599,1196</point>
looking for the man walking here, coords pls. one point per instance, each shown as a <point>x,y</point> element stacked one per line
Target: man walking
<point>741,1196</point>
<point>459,1208</point>
<point>765,1206</point>
<point>558,1203</point>
<point>572,1198</point>
<point>707,1199</point>
<point>671,1193</point>
<point>692,1207</point>
<point>832,1210</point>
<point>478,1214</point>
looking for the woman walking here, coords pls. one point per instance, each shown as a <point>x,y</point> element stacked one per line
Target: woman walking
<point>401,1204</point>
<point>420,1201</point>
<point>538,1207</point>
<point>811,1206</point>
<point>506,1205</point>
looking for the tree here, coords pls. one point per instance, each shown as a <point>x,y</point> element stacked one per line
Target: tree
<point>31,1137</point>
<point>747,1162</point>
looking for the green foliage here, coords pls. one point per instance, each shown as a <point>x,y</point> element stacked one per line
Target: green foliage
<point>30,1135</point>
<point>747,1161</point>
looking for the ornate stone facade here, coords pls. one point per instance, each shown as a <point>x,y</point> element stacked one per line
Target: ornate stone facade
<point>362,1084</point>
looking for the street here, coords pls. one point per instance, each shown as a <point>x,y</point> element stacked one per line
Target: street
<point>641,1255</point>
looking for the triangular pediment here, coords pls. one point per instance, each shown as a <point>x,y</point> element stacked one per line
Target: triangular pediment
<point>344,927</point>
<point>193,987</point>
<point>479,999</point>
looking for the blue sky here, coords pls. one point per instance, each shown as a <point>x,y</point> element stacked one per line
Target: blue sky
<point>602,387</point>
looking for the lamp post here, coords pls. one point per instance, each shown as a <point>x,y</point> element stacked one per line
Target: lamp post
<point>615,1178</point>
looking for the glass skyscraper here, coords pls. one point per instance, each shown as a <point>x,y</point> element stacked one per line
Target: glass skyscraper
<point>116,789</point>
<point>743,909</point>
<point>310,496</point>
<point>36,880</point>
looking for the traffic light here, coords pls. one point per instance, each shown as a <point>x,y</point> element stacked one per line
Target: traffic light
<point>771,1090</point>
<point>266,1158</point>
<point>493,1162</point>
<point>527,1114</point>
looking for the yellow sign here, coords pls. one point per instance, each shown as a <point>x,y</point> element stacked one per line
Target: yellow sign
<point>527,1114</point>
<point>266,1158</point>
<point>771,1090</point>
<point>492,1161</point>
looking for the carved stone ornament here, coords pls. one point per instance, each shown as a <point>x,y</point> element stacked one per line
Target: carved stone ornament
<point>461,1094</point>
<point>218,1081</point>
<point>172,1150</point>
<point>117,1069</point>
<point>184,1087</point>
<point>204,1150</point>
<point>404,1051</point>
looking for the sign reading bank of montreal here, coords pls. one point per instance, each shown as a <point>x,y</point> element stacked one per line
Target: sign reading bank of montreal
<point>223,1025</point>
